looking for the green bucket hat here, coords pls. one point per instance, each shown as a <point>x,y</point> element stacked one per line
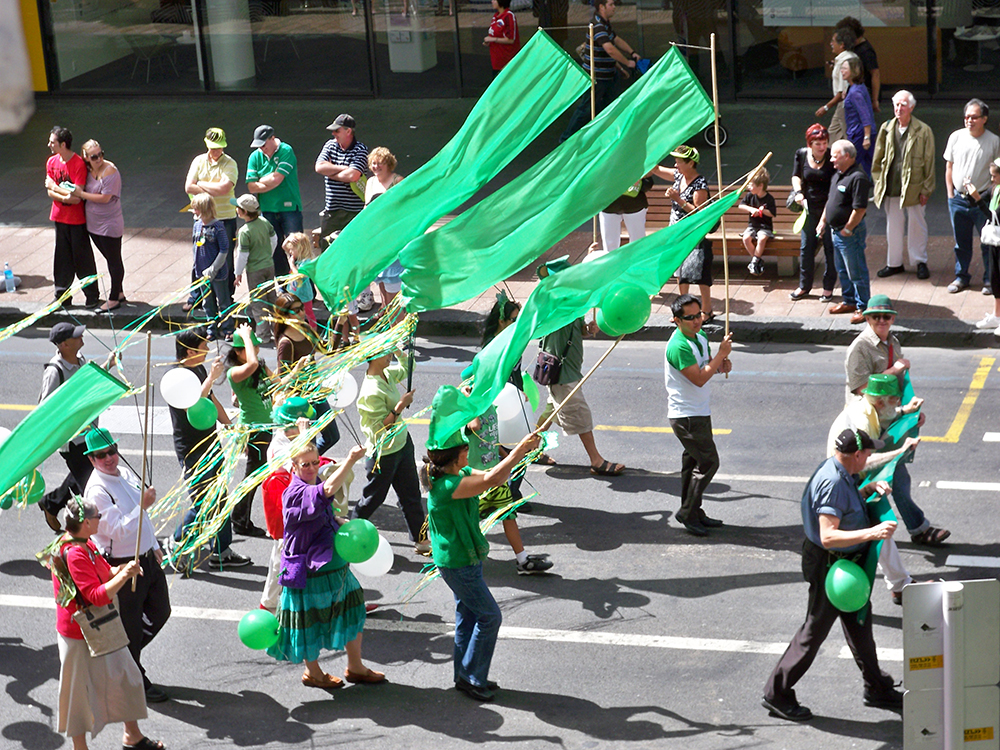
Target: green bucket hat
<point>880,304</point>
<point>97,440</point>
<point>445,402</point>
<point>239,343</point>
<point>291,409</point>
<point>553,266</point>
<point>882,384</point>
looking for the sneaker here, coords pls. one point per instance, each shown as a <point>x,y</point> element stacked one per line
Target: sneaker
<point>422,548</point>
<point>886,698</point>
<point>988,290</point>
<point>826,298</point>
<point>756,267</point>
<point>534,564</point>
<point>957,286</point>
<point>988,323</point>
<point>228,559</point>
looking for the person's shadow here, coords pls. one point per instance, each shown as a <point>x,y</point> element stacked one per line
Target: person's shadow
<point>30,668</point>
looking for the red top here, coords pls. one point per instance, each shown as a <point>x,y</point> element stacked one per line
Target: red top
<point>74,171</point>
<point>90,572</point>
<point>272,489</point>
<point>504,26</point>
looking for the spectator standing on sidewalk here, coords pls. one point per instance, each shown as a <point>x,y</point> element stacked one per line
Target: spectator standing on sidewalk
<point>273,176</point>
<point>812,171</point>
<point>904,176</point>
<point>992,320</point>
<point>966,177</point>
<point>343,162</point>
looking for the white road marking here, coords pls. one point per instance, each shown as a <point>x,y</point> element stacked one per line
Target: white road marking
<point>628,640</point>
<point>969,486</point>
<point>991,437</point>
<point>972,561</point>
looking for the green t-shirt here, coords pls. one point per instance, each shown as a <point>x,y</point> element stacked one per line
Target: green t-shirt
<point>567,344</point>
<point>286,196</point>
<point>453,523</point>
<point>255,406</point>
<point>254,238</point>
<point>484,444</point>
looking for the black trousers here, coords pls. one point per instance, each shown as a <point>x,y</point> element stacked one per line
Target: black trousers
<point>256,457</point>
<point>74,257</point>
<point>111,249</point>
<point>820,616</point>
<point>146,610</point>
<point>699,462</point>
<point>75,482</point>
<point>399,471</point>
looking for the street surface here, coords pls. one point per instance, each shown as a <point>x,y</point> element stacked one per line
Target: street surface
<point>641,637</point>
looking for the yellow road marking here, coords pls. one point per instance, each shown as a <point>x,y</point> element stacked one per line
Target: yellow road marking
<point>18,407</point>
<point>975,387</point>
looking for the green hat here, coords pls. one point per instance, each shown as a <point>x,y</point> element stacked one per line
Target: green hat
<point>882,384</point>
<point>97,440</point>
<point>239,343</point>
<point>291,409</point>
<point>880,304</point>
<point>445,402</point>
<point>553,266</point>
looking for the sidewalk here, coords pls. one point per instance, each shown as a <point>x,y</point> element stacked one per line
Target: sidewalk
<point>153,144</point>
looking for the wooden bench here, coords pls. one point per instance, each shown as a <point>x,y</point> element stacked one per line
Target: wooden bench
<point>784,246</point>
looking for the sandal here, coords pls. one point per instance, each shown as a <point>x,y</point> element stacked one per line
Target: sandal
<point>932,537</point>
<point>370,677</point>
<point>607,469</point>
<point>328,681</point>
<point>144,744</point>
<point>108,306</point>
<point>545,460</point>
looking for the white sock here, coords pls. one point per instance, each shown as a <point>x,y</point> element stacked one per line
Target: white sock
<point>522,557</point>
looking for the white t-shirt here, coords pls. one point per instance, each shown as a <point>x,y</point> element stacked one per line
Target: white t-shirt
<point>684,398</point>
<point>117,498</point>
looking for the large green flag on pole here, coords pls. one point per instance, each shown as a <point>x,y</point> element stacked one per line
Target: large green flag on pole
<point>561,298</point>
<point>507,230</point>
<point>535,88</point>
<point>68,409</point>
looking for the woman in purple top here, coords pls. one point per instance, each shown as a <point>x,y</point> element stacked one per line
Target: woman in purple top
<point>105,222</point>
<point>858,112</point>
<point>322,605</point>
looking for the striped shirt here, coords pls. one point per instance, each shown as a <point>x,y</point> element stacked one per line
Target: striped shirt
<point>604,64</point>
<point>339,195</point>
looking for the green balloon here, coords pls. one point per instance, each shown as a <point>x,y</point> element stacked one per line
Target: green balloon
<point>203,414</point>
<point>624,309</point>
<point>34,487</point>
<point>7,501</point>
<point>258,629</point>
<point>357,540</point>
<point>531,391</point>
<point>847,586</point>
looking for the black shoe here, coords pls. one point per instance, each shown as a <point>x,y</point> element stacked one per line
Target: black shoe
<point>826,298</point>
<point>922,271</point>
<point>475,692</point>
<point>888,698</point>
<point>798,294</point>
<point>525,508</point>
<point>694,528</point>
<point>155,695</point>
<point>93,304</point>
<point>792,713</point>
<point>710,523</point>
<point>889,271</point>
<point>251,530</point>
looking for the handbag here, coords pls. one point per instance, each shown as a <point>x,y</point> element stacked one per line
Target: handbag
<point>547,366</point>
<point>791,204</point>
<point>101,625</point>
<point>990,235</point>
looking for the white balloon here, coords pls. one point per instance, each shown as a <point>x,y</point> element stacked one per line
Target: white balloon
<point>510,431</point>
<point>379,563</point>
<point>345,389</point>
<point>180,388</point>
<point>509,402</point>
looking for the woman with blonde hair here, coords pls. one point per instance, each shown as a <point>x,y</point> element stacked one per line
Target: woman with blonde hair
<point>382,163</point>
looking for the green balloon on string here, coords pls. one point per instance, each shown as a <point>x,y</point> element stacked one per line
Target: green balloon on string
<point>531,391</point>
<point>356,541</point>
<point>624,309</point>
<point>203,414</point>
<point>258,629</point>
<point>847,586</point>
<point>33,487</point>
<point>7,500</point>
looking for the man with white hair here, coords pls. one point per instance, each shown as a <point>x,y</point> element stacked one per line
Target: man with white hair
<point>904,176</point>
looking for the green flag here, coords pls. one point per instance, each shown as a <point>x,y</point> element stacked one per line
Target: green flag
<point>507,230</point>
<point>561,298</point>
<point>68,409</point>
<point>531,91</point>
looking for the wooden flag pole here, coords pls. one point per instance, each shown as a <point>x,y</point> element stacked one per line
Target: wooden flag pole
<point>593,105</point>
<point>145,438</point>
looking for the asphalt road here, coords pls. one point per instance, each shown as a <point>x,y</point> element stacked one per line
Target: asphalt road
<point>640,637</point>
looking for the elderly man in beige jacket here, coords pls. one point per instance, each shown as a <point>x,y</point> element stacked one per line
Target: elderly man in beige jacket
<point>903,173</point>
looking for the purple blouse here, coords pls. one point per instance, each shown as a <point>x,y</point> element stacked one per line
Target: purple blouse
<point>105,219</point>
<point>309,530</point>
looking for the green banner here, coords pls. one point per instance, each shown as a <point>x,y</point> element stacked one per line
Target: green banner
<point>529,94</point>
<point>563,297</point>
<point>68,409</point>
<point>512,227</point>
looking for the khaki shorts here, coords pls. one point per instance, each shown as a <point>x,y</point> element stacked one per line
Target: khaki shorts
<point>575,417</point>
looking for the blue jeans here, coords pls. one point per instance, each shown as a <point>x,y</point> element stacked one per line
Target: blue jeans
<point>477,623</point>
<point>217,300</point>
<point>913,517</point>
<point>849,257</point>
<point>966,217</point>
<point>284,223</point>
<point>807,254</point>
<point>195,489</point>
<point>604,94</point>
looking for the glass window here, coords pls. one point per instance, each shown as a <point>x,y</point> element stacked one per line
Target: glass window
<point>416,47</point>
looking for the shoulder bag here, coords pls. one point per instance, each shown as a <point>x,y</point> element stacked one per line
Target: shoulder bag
<point>547,366</point>
<point>101,625</point>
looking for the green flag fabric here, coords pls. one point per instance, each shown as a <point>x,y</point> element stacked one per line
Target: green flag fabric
<point>507,230</point>
<point>72,406</point>
<point>561,298</point>
<point>528,95</point>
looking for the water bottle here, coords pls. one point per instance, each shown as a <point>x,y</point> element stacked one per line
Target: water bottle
<point>8,277</point>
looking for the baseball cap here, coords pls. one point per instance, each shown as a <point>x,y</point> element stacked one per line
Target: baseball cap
<point>342,121</point>
<point>260,135</point>
<point>852,441</point>
<point>238,342</point>
<point>62,331</point>
<point>215,138</point>
<point>689,153</point>
<point>247,202</point>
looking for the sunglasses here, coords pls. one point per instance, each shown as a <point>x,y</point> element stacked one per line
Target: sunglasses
<point>94,157</point>
<point>101,455</point>
<point>308,464</point>
<point>884,318</point>
<point>691,317</point>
